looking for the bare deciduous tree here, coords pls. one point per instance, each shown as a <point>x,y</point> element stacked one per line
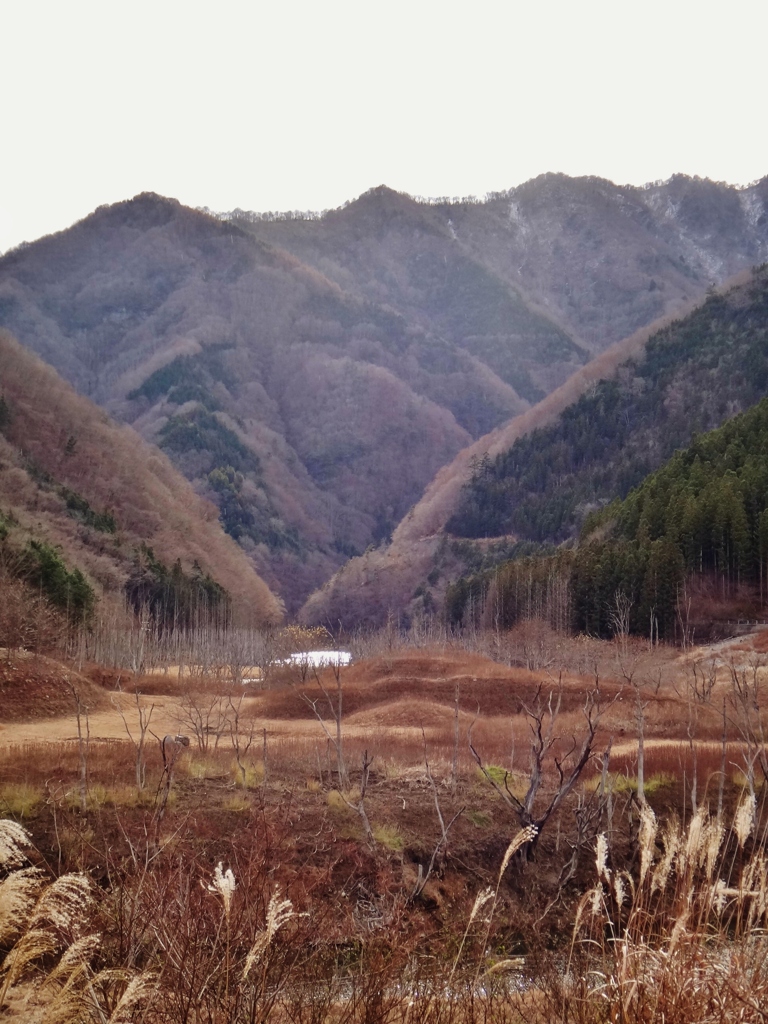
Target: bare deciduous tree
<point>542,717</point>
<point>747,699</point>
<point>619,617</point>
<point>242,730</point>
<point>205,715</point>
<point>83,742</point>
<point>359,804</point>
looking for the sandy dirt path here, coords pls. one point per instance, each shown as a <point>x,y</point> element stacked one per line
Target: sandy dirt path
<point>103,724</point>
<point>167,717</point>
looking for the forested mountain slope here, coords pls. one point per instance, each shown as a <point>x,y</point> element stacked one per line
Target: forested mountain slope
<point>601,260</point>
<point>693,375</point>
<point>313,419</point>
<point>388,248</point>
<point>89,510</point>
<point>691,539</point>
<point>310,376</point>
<point>586,444</point>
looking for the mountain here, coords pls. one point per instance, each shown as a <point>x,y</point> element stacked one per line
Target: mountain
<point>588,443</point>
<point>310,375</point>
<point>305,414</point>
<point>387,248</point>
<point>90,512</point>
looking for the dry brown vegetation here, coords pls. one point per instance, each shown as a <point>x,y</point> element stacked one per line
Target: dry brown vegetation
<point>421,902</point>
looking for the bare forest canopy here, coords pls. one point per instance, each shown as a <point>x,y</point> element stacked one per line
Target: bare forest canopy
<point>311,375</point>
<point>90,513</point>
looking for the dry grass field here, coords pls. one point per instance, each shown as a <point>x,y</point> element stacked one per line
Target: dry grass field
<point>393,858</point>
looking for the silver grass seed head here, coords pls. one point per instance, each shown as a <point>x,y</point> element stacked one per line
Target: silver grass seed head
<point>603,871</point>
<point>80,953</point>
<point>594,900</point>
<point>480,900</point>
<point>694,845</point>
<point>34,944</point>
<point>714,841</point>
<point>647,839</point>
<point>672,841</point>
<point>13,838</point>
<point>619,891</point>
<point>138,990</point>
<point>63,902</point>
<point>279,912</point>
<point>525,835</point>
<point>18,894</point>
<point>224,885</point>
<point>597,899</point>
<point>744,818</point>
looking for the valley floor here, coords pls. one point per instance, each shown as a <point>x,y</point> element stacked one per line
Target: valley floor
<point>393,849</point>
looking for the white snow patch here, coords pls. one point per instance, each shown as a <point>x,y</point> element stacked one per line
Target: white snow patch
<point>752,206</point>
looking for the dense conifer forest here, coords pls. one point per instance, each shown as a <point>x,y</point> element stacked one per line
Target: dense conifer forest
<point>700,519</point>
<point>696,373</point>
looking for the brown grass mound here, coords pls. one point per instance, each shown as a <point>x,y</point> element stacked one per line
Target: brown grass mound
<point>404,713</point>
<point>430,678</point>
<point>34,687</point>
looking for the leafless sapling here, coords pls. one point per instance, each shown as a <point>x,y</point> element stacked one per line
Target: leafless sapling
<point>317,704</point>
<point>747,699</point>
<point>440,851</point>
<point>83,743</point>
<point>145,716</point>
<point>241,739</point>
<point>359,804</point>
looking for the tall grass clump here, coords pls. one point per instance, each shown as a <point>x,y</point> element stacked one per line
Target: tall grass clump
<point>681,939</point>
<point>46,950</point>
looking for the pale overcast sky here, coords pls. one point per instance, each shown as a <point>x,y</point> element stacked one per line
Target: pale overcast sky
<point>292,104</point>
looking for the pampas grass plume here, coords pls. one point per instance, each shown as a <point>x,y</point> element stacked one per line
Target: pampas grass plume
<point>33,945</point>
<point>76,956</point>
<point>137,990</point>
<point>744,819</point>
<point>647,839</point>
<point>714,841</point>
<point>63,902</point>
<point>694,845</point>
<point>224,884</point>
<point>480,900</point>
<point>525,835</point>
<point>672,840</point>
<point>13,838</point>
<point>279,912</point>
<point>601,858</point>
<point>18,894</point>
